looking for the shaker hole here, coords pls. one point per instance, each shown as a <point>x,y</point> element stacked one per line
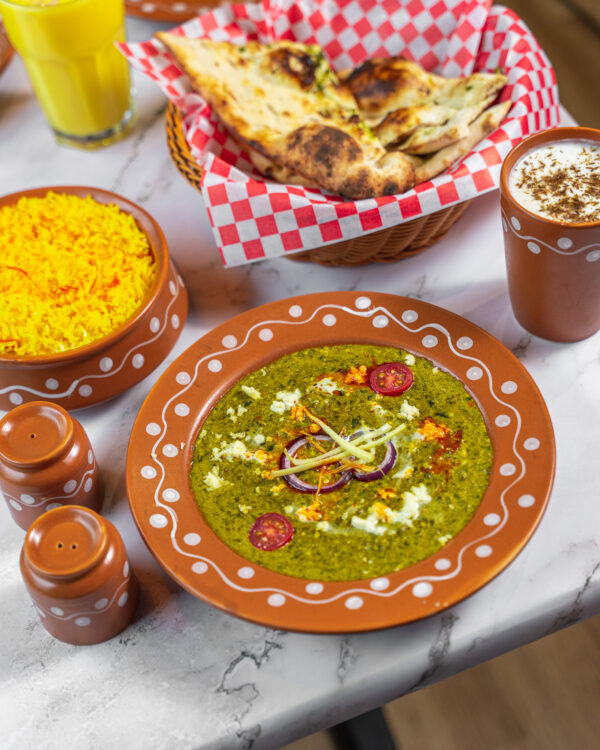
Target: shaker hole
<point>60,545</point>
<point>73,546</point>
<point>32,436</point>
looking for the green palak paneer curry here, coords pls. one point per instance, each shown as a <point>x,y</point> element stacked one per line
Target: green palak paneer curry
<point>341,462</point>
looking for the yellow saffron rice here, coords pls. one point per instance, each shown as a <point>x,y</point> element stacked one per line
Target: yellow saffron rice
<point>71,271</point>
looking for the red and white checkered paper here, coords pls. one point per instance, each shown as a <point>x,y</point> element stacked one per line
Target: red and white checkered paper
<point>253,218</point>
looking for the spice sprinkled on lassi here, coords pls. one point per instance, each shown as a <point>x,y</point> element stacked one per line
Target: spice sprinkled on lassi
<point>560,181</point>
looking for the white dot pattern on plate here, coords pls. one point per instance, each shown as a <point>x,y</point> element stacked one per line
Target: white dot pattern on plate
<point>314,588</point>
<point>175,320</point>
<point>15,504</point>
<point>179,7</point>
<point>51,384</point>
<point>276,600</point>
<point>82,622</point>
<point>491,519</point>
<point>515,222</point>
<point>409,316</point>
<point>508,387</point>
<point>422,589</point>
<point>101,603</point>
<point>474,373</point>
<point>484,550</point>
<point>123,599</point>
<point>182,410</point>
<point>199,567</point>
<point>170,495</point>
<point>502,420</point>
<point>464,342</point>
<point>429,341</point>
<point>85,391</point>
<point>158,521</point>
<point>169,450</point>
<point>192,539</point>
<point>27,499</point>
<point>265,334</point>
<point>90,457</point>
<point>152,428</point>
<point>15,398</point>
<point>148,7</point>
<point>295,311</point>
<point>51,506</point>
<point>138,361</point>
<point>215,365</point>
<point>353,602</point>
<point>380,321</point>
<point>57,611</point>
<point>70,486</point>
<point>564,243</point>
<point>534,247</point>
<point>148,472</point>
<point>172,287</point>
<point>507,470</point>
<point>531,444</point>
<point>229,341</point>
<point>246,572</point>
<point>154,325</point>
<point>443,563</point>
<point>380,584</point>
<point>329,320</point>
<point>593,256</point>
<point>106,364</point>
<point>526,501</point>
<point>88,484</point>
<point>183,378</point>
<point>362,303</point>
<point>126,569</point>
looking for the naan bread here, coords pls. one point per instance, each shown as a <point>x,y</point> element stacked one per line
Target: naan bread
<point>428,167</point>
<point>415,111</point>
<point>283,101</point>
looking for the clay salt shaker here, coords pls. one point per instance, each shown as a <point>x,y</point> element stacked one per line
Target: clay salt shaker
<point>46,460</point>
<point>76,570</point>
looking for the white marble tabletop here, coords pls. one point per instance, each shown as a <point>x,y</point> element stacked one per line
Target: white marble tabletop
<point>185,676</point>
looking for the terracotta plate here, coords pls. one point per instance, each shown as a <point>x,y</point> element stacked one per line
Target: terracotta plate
<point>163,437</point>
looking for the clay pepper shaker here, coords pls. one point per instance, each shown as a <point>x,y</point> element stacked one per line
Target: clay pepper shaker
<point>76,570</point>
<point>46,460</point>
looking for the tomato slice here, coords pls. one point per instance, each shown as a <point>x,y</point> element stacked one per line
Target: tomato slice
<point>390,379</point>
<point>271,531</point>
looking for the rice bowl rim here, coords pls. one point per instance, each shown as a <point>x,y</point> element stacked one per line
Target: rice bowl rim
<point>158,246</point>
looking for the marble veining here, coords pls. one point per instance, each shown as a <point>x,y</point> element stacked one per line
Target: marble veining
<point>185,676</point>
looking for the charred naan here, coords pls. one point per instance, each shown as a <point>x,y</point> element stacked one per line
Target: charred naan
<point>418,111</point>
<point>285,103</point>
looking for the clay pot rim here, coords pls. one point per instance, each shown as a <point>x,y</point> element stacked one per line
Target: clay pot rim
<point>160,250</point>
<point>563,133</point>
<point>58,449</point>
<point>78,570</point>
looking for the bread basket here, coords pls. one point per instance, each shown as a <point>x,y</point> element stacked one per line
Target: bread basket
<point>383,246</point>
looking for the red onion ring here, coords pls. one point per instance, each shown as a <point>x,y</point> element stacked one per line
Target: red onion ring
<point>391,454</point>
<point>300,485</point>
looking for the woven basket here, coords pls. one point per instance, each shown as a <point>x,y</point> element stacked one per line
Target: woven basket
<point>383,246</point>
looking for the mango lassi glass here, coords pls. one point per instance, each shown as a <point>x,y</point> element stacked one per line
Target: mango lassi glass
<point>79,77</point>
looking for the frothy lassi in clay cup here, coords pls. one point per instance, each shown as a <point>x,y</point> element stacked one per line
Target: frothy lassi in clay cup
<point>550,203</point>
<point>80,78</point>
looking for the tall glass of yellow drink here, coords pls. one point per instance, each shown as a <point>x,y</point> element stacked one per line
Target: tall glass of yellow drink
<point>80,78</point>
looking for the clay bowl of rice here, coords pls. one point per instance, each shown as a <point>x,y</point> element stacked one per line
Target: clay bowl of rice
<point>91,302</point>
